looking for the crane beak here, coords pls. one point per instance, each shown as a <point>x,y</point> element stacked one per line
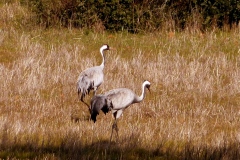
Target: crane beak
<point>149,89</point>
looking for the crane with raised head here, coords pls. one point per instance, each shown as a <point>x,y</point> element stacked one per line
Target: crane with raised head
<point>91,78</point>
<point>116,100</point>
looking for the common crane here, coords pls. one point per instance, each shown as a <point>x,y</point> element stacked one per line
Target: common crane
<point>91,78</point>
<point>116,100</point>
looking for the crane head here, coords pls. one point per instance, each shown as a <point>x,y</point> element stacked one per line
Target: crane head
<point>147,85</point>
<point>105,47</point>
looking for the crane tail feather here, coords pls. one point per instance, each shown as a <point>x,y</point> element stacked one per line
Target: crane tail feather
<point>84,86</point>
<point>98,103</point>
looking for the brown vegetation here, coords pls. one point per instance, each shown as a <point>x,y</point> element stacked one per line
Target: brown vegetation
<point>193,111</point>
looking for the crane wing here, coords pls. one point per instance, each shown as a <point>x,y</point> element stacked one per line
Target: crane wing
<point>120,97</point>
<point>94,74</point>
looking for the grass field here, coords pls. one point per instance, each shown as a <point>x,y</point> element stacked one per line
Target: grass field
<point>192,112</point>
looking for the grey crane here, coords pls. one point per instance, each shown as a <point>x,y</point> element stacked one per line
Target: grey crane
<point>91,78</point>
<point>116,100</point>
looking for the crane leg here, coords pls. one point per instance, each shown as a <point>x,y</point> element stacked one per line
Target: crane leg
<point>86,104</point>
<point>114,126</point>
<point>95,91</point>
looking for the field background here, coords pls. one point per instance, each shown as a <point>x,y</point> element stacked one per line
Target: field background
<point>192,112</point>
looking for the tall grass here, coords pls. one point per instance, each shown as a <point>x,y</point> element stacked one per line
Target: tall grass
<point>192,112</point>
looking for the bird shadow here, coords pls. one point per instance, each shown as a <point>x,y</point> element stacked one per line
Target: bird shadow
<point>79,114</point>
<point>79,119</point>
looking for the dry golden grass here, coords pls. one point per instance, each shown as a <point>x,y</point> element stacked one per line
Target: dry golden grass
<point>193,111</point>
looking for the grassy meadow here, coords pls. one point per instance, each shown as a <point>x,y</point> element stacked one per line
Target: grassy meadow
<point>192,112</point>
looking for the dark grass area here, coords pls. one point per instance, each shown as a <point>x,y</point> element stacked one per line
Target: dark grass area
<point>102,150</point>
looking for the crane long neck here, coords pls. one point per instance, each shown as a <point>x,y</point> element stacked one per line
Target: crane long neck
<point>103,58</point>
<point>141,97</point>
